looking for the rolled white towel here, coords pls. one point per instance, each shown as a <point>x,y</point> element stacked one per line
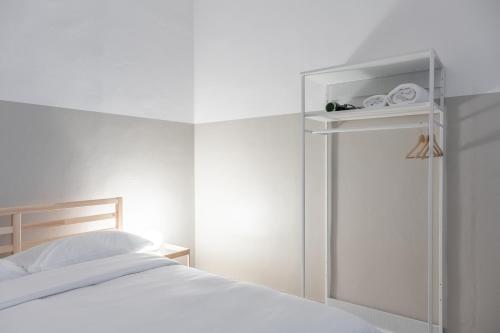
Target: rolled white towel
<point>375,102</point>
<point>407,93</point>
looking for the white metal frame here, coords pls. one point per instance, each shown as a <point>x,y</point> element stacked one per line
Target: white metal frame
<point>432,123</point>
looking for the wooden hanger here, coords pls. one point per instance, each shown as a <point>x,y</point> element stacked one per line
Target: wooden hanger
<point>417,147</point>
<point>421,149</point>
<point>436,149</point>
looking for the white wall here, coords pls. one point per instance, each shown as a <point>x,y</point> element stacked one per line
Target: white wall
<point>116,56</point>
<point>136,57</point>
<point>248,53</point>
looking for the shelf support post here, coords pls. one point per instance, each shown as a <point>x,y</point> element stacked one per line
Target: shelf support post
<point>430,190</point>
<point>442,209</point>
<point>303,184</point>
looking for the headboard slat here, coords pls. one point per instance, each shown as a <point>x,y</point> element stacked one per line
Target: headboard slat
<point>58,206</point>
<point>6,230</point>
<point>119,213</point>
<point>68,221</point>
<point>16,235</point>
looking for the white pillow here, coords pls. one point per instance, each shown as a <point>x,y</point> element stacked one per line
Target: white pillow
<point>9,270</point>
<point>76,249</point>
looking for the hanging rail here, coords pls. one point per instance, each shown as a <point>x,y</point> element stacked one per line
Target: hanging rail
<point>420,124</point>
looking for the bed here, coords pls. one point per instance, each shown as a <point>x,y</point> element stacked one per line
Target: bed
<point>142,292</point>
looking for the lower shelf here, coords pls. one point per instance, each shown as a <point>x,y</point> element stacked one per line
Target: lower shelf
<point>388,322</point>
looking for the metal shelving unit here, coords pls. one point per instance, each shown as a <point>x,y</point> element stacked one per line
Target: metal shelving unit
<point>423,67</point>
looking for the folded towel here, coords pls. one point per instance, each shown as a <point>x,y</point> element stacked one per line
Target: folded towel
<point>407,93</point>
<point>375,102</point>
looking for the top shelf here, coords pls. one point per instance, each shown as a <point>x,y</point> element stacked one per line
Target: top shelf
<point>416,109</point>
<point>409,63</point>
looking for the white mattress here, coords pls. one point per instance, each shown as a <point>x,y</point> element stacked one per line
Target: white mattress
<point>144,293</point>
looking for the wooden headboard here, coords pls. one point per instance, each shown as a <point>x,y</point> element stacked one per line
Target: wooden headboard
<point>18,229</point>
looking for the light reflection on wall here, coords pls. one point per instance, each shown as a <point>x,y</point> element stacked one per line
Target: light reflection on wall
<point>142,217</point>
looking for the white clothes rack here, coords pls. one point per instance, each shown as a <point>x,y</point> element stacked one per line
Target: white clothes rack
<point>425,66</point>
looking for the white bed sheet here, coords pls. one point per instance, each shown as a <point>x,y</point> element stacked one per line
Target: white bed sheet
<point>144,293</point>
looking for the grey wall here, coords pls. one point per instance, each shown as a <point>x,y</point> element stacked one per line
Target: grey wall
<point>248,226</point>
<point>52,155</point>
<point>247,209</point>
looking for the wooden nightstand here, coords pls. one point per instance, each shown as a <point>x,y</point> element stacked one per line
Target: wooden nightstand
<point>171,251</point>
